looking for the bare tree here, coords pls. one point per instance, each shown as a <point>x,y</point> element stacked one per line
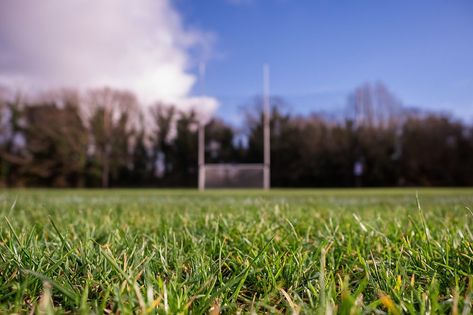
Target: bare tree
<point>113,115</point>
<point>164,121</point>
<point>373,105</point>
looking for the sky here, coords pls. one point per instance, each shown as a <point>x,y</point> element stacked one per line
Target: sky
<point>318,51</point>
<point>321,50</point>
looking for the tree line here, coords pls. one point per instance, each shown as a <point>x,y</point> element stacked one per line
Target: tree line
<point>106,139</point>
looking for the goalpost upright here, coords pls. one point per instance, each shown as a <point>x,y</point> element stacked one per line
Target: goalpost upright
<point>201,131</point>
<point>266,131</point>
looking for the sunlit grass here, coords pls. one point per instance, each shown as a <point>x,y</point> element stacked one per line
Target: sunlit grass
<point>152,251</point>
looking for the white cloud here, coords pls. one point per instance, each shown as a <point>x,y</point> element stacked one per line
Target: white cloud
<point>139,45</point>
<point>203,106</point>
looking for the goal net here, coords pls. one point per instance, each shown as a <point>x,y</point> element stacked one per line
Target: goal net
<point>234,176</point>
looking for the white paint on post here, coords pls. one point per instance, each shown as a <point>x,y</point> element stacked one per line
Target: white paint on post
<point>201,140</point>
<point>266,121</point>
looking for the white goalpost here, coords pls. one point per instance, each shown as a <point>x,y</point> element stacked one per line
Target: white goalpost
<point>224,175</point>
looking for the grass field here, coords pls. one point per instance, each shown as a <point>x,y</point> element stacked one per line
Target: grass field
<point>287,251</point>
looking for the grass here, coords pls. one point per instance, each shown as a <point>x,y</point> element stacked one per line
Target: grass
<point>287,251</point>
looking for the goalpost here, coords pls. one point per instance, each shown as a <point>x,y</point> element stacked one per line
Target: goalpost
<point>238,175</point>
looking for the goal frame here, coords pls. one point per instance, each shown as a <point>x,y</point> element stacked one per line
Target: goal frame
<point>266,165</point>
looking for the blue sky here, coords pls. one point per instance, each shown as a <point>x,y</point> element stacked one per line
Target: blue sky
<point>320,50</point>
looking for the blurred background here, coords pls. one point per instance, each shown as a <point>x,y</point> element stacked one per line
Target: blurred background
<point>111,93</point>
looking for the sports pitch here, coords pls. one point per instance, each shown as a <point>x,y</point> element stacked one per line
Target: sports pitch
<point>236,251</point>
